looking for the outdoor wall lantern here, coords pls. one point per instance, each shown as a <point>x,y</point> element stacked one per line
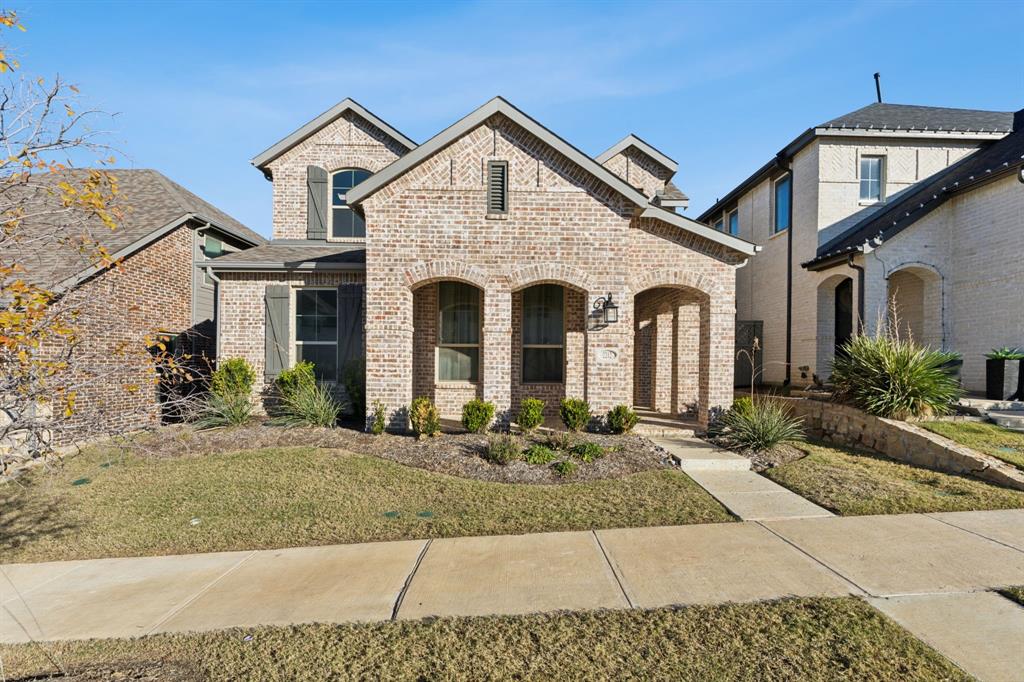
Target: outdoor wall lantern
<point>606,307</point>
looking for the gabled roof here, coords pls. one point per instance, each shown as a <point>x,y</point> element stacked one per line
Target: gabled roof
<point>632,140</point>
<point>155,206</point>
<point>497,105</point>
<point>996,160</point>
<point>701,230</point>
<point>324,119</point>
<point>881,119</point>
<point>671,196</point>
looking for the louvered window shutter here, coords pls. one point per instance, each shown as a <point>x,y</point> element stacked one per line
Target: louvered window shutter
<point>316,203</point>
<point>278,336</point>
<point>497,187</point>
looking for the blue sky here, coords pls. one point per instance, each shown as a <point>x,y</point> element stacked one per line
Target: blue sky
<point>200,88</point>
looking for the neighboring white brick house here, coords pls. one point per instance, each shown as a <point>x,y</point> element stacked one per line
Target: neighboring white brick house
<point>478,264</point>
<point>870,190</point>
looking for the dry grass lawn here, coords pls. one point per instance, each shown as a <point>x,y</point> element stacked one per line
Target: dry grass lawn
<point>984,437</point>
<point>853,483</point>
<point>792,639</point>
<point>282,497</point>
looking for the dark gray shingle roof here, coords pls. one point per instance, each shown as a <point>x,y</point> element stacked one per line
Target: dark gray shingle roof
<point>672,193</point>
<point>913,117</point>
<point>292,254</point>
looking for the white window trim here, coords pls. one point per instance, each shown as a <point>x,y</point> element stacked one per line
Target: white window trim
<point>524,345</point>
<point>438,345</point>
<point>884,162</point>
<point>331,207</point>
<point>293,312</point>
<point>774,202</point>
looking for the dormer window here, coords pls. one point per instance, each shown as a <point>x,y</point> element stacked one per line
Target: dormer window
<point>346,223</point>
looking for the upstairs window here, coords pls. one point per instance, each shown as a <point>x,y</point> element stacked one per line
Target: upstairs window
<point>458,352</point>
<point>783,199</point>
<point>346,223</point>
<point>871,169</point>
<point>734,223</point>
<point>212,248</point>
<point>719,224</point>
<point>497,187</point>
<point>543,334</point>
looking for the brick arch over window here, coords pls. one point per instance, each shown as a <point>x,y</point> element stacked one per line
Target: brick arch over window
<point>678,278</point>
<point>434,271</point>
<point>554,273</point>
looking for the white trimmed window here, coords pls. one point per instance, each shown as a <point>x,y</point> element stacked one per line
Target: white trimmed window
<point>316,331</point>
<point>734,223</point>
<point>346,223</point>
<point>872,172</point>
<point>458,332</point>
<point>543,334</point>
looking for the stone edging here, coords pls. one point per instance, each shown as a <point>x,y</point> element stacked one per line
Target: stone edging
<point>850,427</point>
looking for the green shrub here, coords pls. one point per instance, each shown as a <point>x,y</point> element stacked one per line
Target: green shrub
<point>621,419</point>
<point>1005,353</point>
<point>587,451</point>
<point>224,410</point>
<point>895,378</point>
<point>379,418</point>
<point>289,381</point>
<point>561,440</point>
<point>531,414</point>
<point>743,404</point>
<point>477,415</point>
<point>311,404</point>
<point>234,376</point>
<point>353,378</point>
<point>760,427</point>
<point>575,413</point>
<point>503,448</point>
<point>565,468</point>
<point>424,417</point>
<point>539,454</point>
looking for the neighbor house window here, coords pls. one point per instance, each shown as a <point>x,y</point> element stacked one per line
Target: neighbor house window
<point>734,223</point>
<point>719,224</point>
<point>458,353</point>
<point>543,334</point>
<point>871,169</point>
<point>316,331</point>
<point>497,187</point>
<point>783,199</point>
<point>344,221</point>
<point>212,247</point>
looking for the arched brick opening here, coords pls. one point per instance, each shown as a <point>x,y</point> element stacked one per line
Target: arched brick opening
<point>915,304</point>
<point>836,314</point>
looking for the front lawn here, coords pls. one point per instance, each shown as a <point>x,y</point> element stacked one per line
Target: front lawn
<point>984,437</point>
<point>791,639</point>
<point>852,483</point>
<point>131,505</point>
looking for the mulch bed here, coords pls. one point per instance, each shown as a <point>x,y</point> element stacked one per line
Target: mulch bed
<point>457,454</point>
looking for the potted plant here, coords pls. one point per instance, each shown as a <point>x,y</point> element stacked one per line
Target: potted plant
<point>995,370</point>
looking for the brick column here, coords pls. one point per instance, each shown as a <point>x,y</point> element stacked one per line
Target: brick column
<point>497,351</point>
<point>717,358</point>
<point>609,358</point>
<point>663,361</point>
<point>687,357</point>
<point>389,366</point>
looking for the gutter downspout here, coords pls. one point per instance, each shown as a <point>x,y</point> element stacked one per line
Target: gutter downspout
<point>216,308</point>
<point>860,292</point>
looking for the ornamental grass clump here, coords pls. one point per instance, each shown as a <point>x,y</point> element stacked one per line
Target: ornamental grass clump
<point>759,426</point>
<point>310,404</point>
<point>503,448</point>
<point>224,410</point>
<point>895,378</point>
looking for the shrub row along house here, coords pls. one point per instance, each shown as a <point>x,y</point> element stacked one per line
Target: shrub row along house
<point>495,260</point>
<point>921,205</point>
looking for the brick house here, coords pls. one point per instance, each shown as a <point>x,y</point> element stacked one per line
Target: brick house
<point>917,204</point>
<point>156,286</point>
<point>495,260</point>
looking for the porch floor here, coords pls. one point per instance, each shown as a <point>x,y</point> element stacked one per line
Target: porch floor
<point>662,424</point>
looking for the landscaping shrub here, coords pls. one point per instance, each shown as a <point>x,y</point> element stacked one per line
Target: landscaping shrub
<point>477,415</point>
<point>565,468</point>
<point>621,419</point>
<point>760,427</point>
<point>575,413</point>
<point>353,378</point>
<point>531,414</point>
<point>743,404</point>
<point>424,417</point>
<point>587,451</point>
<point>1005,353</point>
<point>310,404</point>
<point>503,448</point>
<point>562,441</point>
<point>539,454</point>
<point>379,418</point>
<point>234,376</point>
<point>224,410</point>
<point>289,381</point>
<point>891,377</point>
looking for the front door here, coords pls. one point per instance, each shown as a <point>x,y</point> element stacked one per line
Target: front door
<point>844,314</point>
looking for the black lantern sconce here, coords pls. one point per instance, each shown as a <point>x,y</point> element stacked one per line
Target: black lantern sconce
<point>606,309</point>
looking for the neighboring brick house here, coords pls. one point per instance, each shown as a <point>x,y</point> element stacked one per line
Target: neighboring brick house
<point>156,285</point>
<point>495,260</point>
<point>830,211</point>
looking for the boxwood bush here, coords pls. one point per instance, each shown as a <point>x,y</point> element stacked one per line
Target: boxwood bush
<point>531,414</point>
<point>477,415</point>
<point>233,377</point>
<point>621,419</point>
<point>575,413</point>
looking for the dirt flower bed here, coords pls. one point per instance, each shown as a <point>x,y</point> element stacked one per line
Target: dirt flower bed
<point>457,454</point>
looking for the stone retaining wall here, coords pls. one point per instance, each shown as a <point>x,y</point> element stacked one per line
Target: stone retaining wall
<point>849,427</point>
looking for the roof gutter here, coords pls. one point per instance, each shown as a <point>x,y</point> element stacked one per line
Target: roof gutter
<point>268,265</point>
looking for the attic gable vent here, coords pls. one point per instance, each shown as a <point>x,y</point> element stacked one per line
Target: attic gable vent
<point>497,187</point>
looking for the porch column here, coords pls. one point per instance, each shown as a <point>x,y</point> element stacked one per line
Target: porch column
<point>610,356</point>
<point>389,367</point>
<point>497,343</point>
<point>687,353</point>
<point>718,331</point>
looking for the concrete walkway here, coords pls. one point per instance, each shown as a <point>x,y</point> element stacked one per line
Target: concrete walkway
<point>928,572</point>
<point>728,478</point>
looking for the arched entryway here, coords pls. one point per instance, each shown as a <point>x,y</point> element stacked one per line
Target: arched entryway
<point>915,304</point>
<point>837,320</point>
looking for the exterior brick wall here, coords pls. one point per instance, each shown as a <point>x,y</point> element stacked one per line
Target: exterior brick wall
<point>639,170</point>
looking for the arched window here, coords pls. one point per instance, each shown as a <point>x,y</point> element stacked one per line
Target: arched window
<point>344,221</point>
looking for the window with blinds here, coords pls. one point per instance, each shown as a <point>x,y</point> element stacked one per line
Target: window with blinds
<point>497,187</point>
